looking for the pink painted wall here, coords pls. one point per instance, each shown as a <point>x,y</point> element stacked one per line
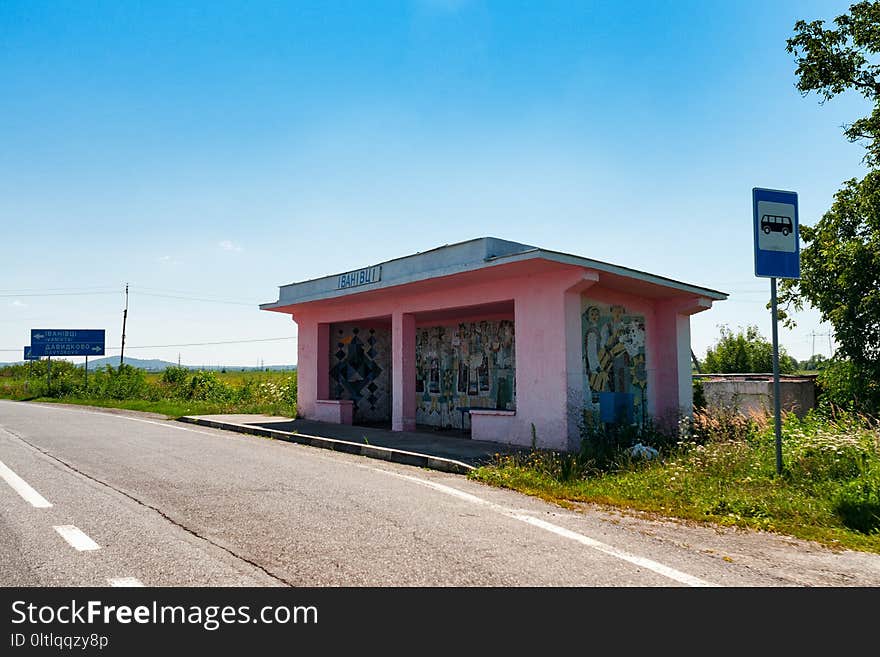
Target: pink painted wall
<point>338,411</point>
<point>546,303</point>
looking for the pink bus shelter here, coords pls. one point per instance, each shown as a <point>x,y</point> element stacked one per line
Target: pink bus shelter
<point>494,338</point>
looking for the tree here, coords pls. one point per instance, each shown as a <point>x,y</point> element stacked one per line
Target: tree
<point>743,352</point>
<point>840,256</point>
<point>815,363</point>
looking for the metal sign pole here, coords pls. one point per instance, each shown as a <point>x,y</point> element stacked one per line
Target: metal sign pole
<point>87,373</point>
<point>49,377</point>
<point>775,224</point>
<point>777,412</point>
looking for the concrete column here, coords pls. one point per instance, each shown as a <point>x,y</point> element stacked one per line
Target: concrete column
<point>541,368</point>
<point>671,357</point>
<point>306,366</point>
<point>322,379</point>
<point>685,377</point>
<point>403,372</point>
<point>664,360</point>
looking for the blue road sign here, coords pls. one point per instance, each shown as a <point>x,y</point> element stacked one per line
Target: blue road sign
<point>29,354</point>
<point>67,342</point>
<point>777,239</point>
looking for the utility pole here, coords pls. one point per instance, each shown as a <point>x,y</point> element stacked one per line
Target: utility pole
<point>124,317</point>
<point>696,362</point>
<point>178,359</point>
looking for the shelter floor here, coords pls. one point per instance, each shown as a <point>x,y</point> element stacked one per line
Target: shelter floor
<point>446,443</point>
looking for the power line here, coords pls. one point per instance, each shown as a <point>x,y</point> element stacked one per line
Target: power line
<point>69,292</point>
<point>58,294</point>
<point>203,344</point>
<point>173,296</point>
<point>191,344</point>
<point>165,290</point>
<point>55,289</point>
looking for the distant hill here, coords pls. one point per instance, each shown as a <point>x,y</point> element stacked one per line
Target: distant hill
<point>151,365</point>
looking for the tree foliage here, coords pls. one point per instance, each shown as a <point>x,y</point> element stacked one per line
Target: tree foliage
<point>743,352</point>
<point>815,363</point>
<point>840,256</point>
<point>832,61</point>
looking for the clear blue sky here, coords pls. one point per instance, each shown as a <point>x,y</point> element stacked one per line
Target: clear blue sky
<point>215,150</point>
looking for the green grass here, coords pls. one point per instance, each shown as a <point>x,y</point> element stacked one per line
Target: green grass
<point>829,491</point>
<point>173,393</point>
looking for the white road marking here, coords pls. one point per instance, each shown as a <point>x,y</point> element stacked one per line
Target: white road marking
<point>22,487</point>
<point>649,564</point>
<point>131,582</point>
<point>76,537</point>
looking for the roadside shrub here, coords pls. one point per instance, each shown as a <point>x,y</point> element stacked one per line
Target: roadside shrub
<point>843,384</point>
<point>123,382</point>
<point>603,447</point>
<point>826,455</point>
<point>175,376</point>
<point>205,386</point>
<point>857,504</point>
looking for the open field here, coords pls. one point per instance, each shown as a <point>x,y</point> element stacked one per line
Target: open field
<point>174,392</point>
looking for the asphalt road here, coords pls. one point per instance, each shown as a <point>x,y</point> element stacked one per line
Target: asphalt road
<point>146,501</point>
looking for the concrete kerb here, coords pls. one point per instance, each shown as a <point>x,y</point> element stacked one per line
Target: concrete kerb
<point>361,449</point>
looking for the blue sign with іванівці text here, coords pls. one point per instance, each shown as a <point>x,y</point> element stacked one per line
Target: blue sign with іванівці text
<point>777,238</point>
<point>67,342</point>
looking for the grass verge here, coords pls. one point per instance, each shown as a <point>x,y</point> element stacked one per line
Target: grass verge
<point>829,491</point>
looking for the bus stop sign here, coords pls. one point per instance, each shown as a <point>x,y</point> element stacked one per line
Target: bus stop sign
<point>777,240</point>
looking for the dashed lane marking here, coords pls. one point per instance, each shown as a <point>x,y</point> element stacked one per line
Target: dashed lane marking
<point>76,537</point>
<point>130,582</point>
<point>22,487</point>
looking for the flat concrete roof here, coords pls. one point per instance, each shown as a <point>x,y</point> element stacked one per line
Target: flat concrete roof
<point>449,259</point>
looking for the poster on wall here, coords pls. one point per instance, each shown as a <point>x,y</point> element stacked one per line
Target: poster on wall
<point>615,379</point>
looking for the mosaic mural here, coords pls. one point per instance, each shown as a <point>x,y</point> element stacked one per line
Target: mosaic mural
<point>615,379</point>
<point>360,369</point>
<point>465,366</point>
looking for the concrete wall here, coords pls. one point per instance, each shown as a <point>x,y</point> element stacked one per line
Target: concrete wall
<point>756,395</point>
